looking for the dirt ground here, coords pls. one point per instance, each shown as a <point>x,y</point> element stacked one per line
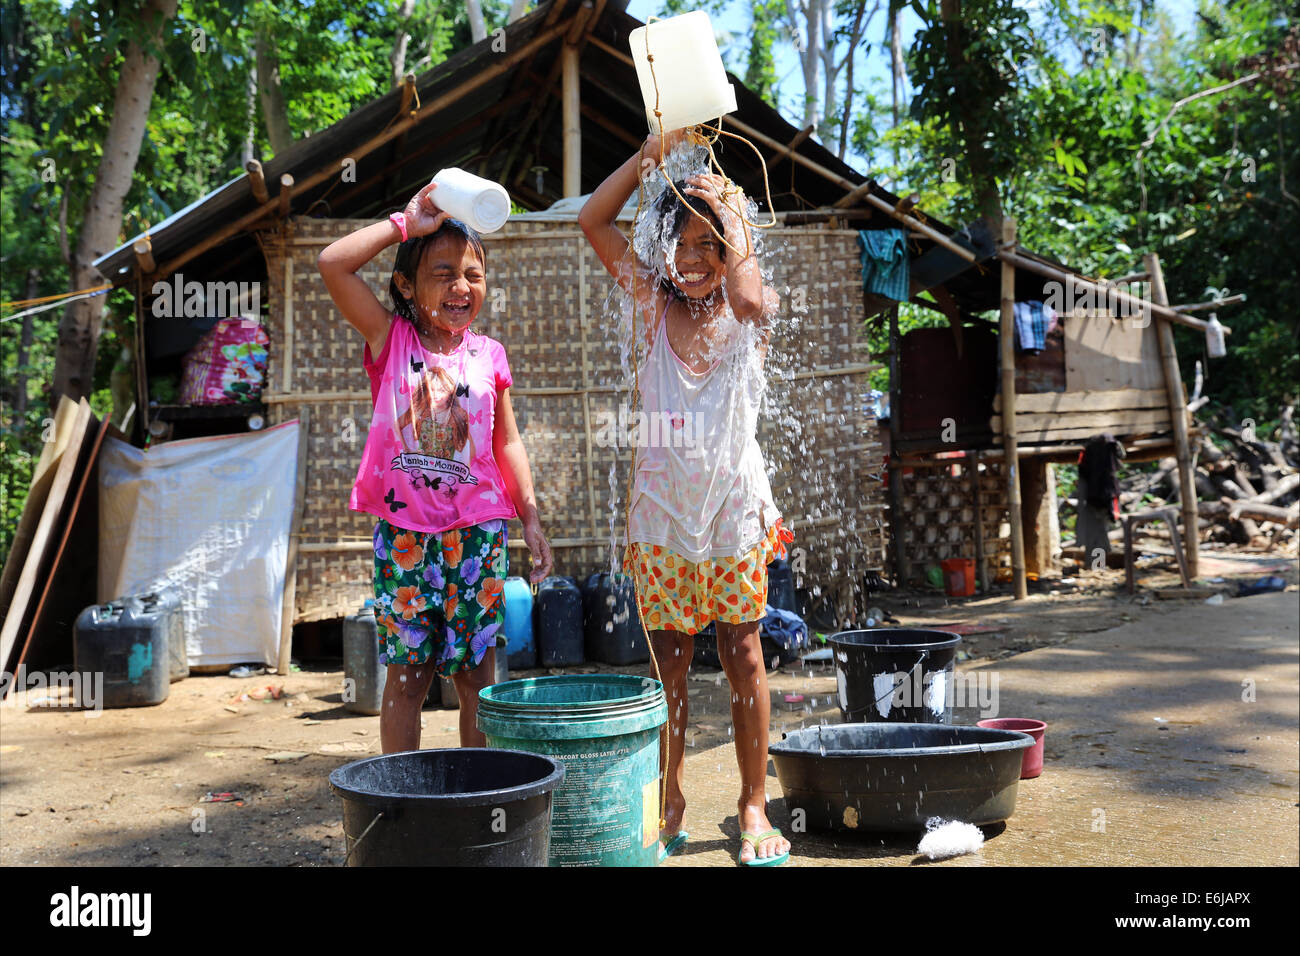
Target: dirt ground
<point>137,786</point>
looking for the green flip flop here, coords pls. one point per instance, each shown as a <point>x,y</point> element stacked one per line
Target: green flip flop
<point>754,839</point>
<point>674,843</point>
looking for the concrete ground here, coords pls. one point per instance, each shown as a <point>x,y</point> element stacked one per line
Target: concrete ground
<point>1154,754</point>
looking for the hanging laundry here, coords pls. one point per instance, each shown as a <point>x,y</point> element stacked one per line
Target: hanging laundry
<point>1033,321</point>
<point>884,263</point>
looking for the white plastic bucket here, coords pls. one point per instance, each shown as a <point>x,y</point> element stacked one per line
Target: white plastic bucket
<point>688,72</point>
<point>479,203</point>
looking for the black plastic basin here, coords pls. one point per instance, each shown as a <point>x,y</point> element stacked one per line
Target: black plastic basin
<point>894,777</point>
<point>464,806</point>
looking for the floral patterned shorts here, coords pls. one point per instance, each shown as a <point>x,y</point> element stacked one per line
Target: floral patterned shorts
<point>439,597</point>
<point>679,595</point>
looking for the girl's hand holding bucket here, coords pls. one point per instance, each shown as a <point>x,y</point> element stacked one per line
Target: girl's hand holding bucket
<point>422,214</point>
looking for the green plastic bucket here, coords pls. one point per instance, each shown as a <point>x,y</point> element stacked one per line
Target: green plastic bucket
<point>604,728</point>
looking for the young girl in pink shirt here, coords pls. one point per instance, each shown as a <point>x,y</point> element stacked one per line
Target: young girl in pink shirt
<point>443,467</point>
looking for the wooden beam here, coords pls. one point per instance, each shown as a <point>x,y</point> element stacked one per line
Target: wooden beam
<point>902,567</point>
<point>1207,306</point>
<point>257,180</point>
<point>1178,412</point>
<point>286,190</point>
<point>799,158</point>
<point>143,249</point>
<point>291,562</point>
<point>788,150</point>
<point>853,195</point>
<point>1006,343</point>
<point>1105,290</point>
<point>927,231</point>
<point>408,94</point>
<point>614,129</point>
<point>572,119</point>
<point>479,79</point>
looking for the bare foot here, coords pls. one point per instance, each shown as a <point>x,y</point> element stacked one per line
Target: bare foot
<point>753,819</point>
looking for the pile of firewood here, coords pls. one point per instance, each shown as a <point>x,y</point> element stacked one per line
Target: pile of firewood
<point>1247,483</point>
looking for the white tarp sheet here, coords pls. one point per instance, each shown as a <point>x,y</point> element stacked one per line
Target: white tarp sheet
<point>206,519</point>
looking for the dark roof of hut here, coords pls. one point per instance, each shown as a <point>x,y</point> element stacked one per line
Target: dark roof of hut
<point>494,108</point>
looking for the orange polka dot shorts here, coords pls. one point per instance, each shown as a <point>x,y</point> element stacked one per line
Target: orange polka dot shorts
<point>680,595</point>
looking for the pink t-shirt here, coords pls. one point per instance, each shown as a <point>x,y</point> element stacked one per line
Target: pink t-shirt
<point>428,463</point>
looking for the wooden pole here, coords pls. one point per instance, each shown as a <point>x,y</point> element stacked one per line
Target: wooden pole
<point>257,181</point>
<point>286,191</point>
<point>572,121</point>
<point>1107,292</point>
<point>981,566</point>
<point>902,568</point>
<point>291,562</point>
<point>143,250</point>
<point>1007,344</point>
<point>1178,415</point>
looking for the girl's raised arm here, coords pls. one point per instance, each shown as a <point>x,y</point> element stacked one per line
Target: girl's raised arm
<point>598,216</point>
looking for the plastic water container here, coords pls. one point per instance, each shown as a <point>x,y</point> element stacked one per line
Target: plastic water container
<point>895,675</point>
<point>688,72</point>
<point>780,586</point>
<point>521,649</point>
<point>168,607</point>
<point>559,623</point>
<point>128,642</point>
<point>611,628</point>
<point>361,665</point>
<point>958,577</point>
<point>1214,341</point>
<point>604,728</point>
<point>481,204</point>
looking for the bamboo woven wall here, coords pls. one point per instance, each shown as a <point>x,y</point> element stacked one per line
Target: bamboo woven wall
<point>939,515</point>
<point>546,303</point>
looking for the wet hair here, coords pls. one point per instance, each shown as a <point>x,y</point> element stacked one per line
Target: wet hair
<point>411,253</point>
<point>672,212</point>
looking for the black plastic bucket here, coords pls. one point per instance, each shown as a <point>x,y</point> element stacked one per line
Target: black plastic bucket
<point>899,675</point>
<point>466,806</point>
<point>895,777</point>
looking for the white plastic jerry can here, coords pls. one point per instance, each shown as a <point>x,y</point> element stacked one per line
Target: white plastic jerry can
<point>688,73</point>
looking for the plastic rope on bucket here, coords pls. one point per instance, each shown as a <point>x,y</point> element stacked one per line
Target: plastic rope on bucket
<point>364,833</point>
<point>925,655</point>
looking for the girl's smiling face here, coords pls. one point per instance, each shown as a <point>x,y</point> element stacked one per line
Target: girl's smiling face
<point>697,265</point>
<point>450,286</point>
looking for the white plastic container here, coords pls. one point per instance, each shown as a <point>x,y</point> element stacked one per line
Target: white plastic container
<point>481,204</point>
<point>688,69</point>
<point>1214,342</point>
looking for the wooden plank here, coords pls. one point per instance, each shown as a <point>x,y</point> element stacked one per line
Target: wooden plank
<point>37,492</point>
<point>74,582</point>
<point>1006,344</point>
<point>1089,401</point>
<point>37,562</point>
<point>1044,435</point>
<point>291,562</point>
<point>1105,354</point>
<point>1117,421</point>
<point>1173,383</point>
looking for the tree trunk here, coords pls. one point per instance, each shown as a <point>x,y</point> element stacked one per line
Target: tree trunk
<point>854,36</point>
<point>809,56</point>
<point>968,128</point>
<point>79,329</point>
<point>398,56</point>
<point>275,111</point>
<point>248,152</point>
<point>897,69</point>
<point>477,28</point>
